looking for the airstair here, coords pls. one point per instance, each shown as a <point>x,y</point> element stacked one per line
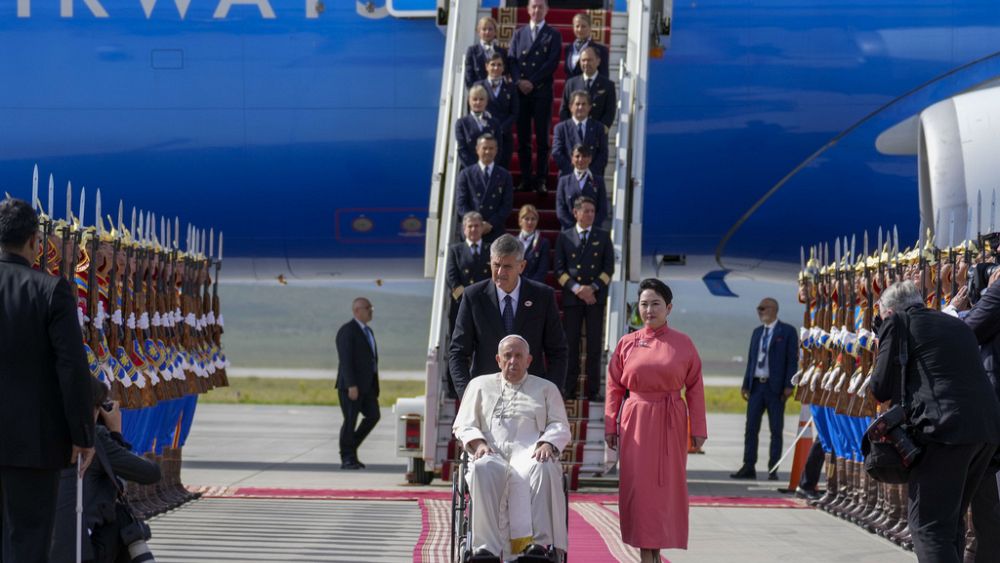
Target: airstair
<point>631,30</point>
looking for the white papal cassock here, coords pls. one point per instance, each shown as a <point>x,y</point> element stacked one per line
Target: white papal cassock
<point>514,496</point>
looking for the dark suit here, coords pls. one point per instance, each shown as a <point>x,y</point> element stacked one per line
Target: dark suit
<point>782,362</point>
<point>467,133</point>
<point>602,97</point>
<point>536,258</point>
<point>494,201</point>
<point>475,63</point>
<point>479,329</point>
<point>45,402</point>
<point>112,456</point>
<point>955,415</point>
<point>566,135</point>
<point>593,265</point>
<point>573,70</point>
<point>464,269</point>
<point>984,320</point>
<point>358,367</point>
<point>504,107</point>
<point>535,61</point>
<point>569,189</point>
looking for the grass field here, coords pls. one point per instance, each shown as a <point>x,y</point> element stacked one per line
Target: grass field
<point>321,392</point>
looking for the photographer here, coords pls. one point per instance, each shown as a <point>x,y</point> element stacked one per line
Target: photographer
<point>984,320</point>
<point>952,414</point>
<point>103,520</point>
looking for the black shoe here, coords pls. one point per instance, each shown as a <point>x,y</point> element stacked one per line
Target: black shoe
<point>350,465</point>
<point>772,476</point>
<point>745,472</point>
<point>524,187</point>
<point>542,189</point>
<point>806,493</point>
<point>360,464</point>
<point>535,549</point>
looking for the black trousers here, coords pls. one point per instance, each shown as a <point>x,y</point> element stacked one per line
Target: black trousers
<point>763,399</point>
<point>28,501</point>
<point>986,518</point>
<point>574,318</point>
<point>506,147</point>
<point>352,433</point>
<point>535,108</point>
<point>814,467</point>
<point>941,486</point>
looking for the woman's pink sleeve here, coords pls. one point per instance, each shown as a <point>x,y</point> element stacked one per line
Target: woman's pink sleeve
<point>615,392</point>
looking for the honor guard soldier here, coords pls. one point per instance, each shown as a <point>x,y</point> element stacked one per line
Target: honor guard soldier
<point>535,50</point>
<point>486,188</point>
<point>585,261</point>
<point>502,105</point>
<point>600,88</point>
<point>580,130</point>
<point>583,31</point>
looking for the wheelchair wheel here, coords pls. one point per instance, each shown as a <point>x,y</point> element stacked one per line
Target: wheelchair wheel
<point>461,550</point>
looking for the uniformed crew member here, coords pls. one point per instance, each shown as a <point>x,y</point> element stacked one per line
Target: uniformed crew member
<point>486,188</point>
<point>535,50</point>
<point>585,261</point>
<point>502,105</point>
<point>477,56</point>
<point>536,247</point>
<point>478,122</point>
<point>468,261</point>
<point>601,90</point>
<point>581,181</point>
<point>580,130</point>
<point>583,31</point>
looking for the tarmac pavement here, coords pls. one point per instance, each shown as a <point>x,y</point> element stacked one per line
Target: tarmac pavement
<point>281,447</point>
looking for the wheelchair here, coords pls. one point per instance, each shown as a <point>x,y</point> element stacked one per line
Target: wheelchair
<point>461,521</point>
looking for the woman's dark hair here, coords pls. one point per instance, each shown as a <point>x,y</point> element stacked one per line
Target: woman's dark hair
<point>18,222</point>
<point>659,287</point>
<point>98,392</point>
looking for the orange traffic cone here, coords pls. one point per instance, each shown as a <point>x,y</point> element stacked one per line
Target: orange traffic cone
<point>802,446</point>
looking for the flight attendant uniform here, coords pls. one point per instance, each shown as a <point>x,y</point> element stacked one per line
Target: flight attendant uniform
<point>654,366</point>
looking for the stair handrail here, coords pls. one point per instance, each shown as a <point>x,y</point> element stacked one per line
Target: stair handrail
<point>460,34</point>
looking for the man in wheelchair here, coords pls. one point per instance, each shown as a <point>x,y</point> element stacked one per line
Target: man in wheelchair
<point>513,425</point>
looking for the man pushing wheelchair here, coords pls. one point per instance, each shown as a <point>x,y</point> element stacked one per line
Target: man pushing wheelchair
<point>513,426</point>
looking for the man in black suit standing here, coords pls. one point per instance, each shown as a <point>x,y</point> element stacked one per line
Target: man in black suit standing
<point>506,304</point>
<point>580,130</point>
<point>585,262</point>
<point>357,382</point>
<point>953,414</point>
<point>535,51</point>
<point>767,384</point>
<point>603,97</point>
<point>487,188</point>
<point>46,417</point>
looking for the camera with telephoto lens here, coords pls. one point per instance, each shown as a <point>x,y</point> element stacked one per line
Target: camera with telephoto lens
<point>134,535</point>
<point>888,427</point>
<point>979,274</point>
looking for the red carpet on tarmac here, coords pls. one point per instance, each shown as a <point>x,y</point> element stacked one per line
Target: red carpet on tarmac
<point>594,535</point>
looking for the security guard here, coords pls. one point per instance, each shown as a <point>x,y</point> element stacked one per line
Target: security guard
<point>584,264</point>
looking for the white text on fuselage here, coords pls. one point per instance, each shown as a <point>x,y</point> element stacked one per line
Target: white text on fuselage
<point>94,8</point>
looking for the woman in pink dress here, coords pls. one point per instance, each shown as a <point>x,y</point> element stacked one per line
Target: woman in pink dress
<point>651,430</point>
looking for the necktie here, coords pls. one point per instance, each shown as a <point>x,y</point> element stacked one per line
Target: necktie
<point>475,250</point>
<point>765,341</point>
<point>480,121</point>
<point>582,180</point>
<point>495,83</point>
<point>590,81</point>
<point>534,32</point>
<point>581,130</point>
<point>583,238</point>
<point>486,175</point>
<point>508,315</point>
<point>371,340</point>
